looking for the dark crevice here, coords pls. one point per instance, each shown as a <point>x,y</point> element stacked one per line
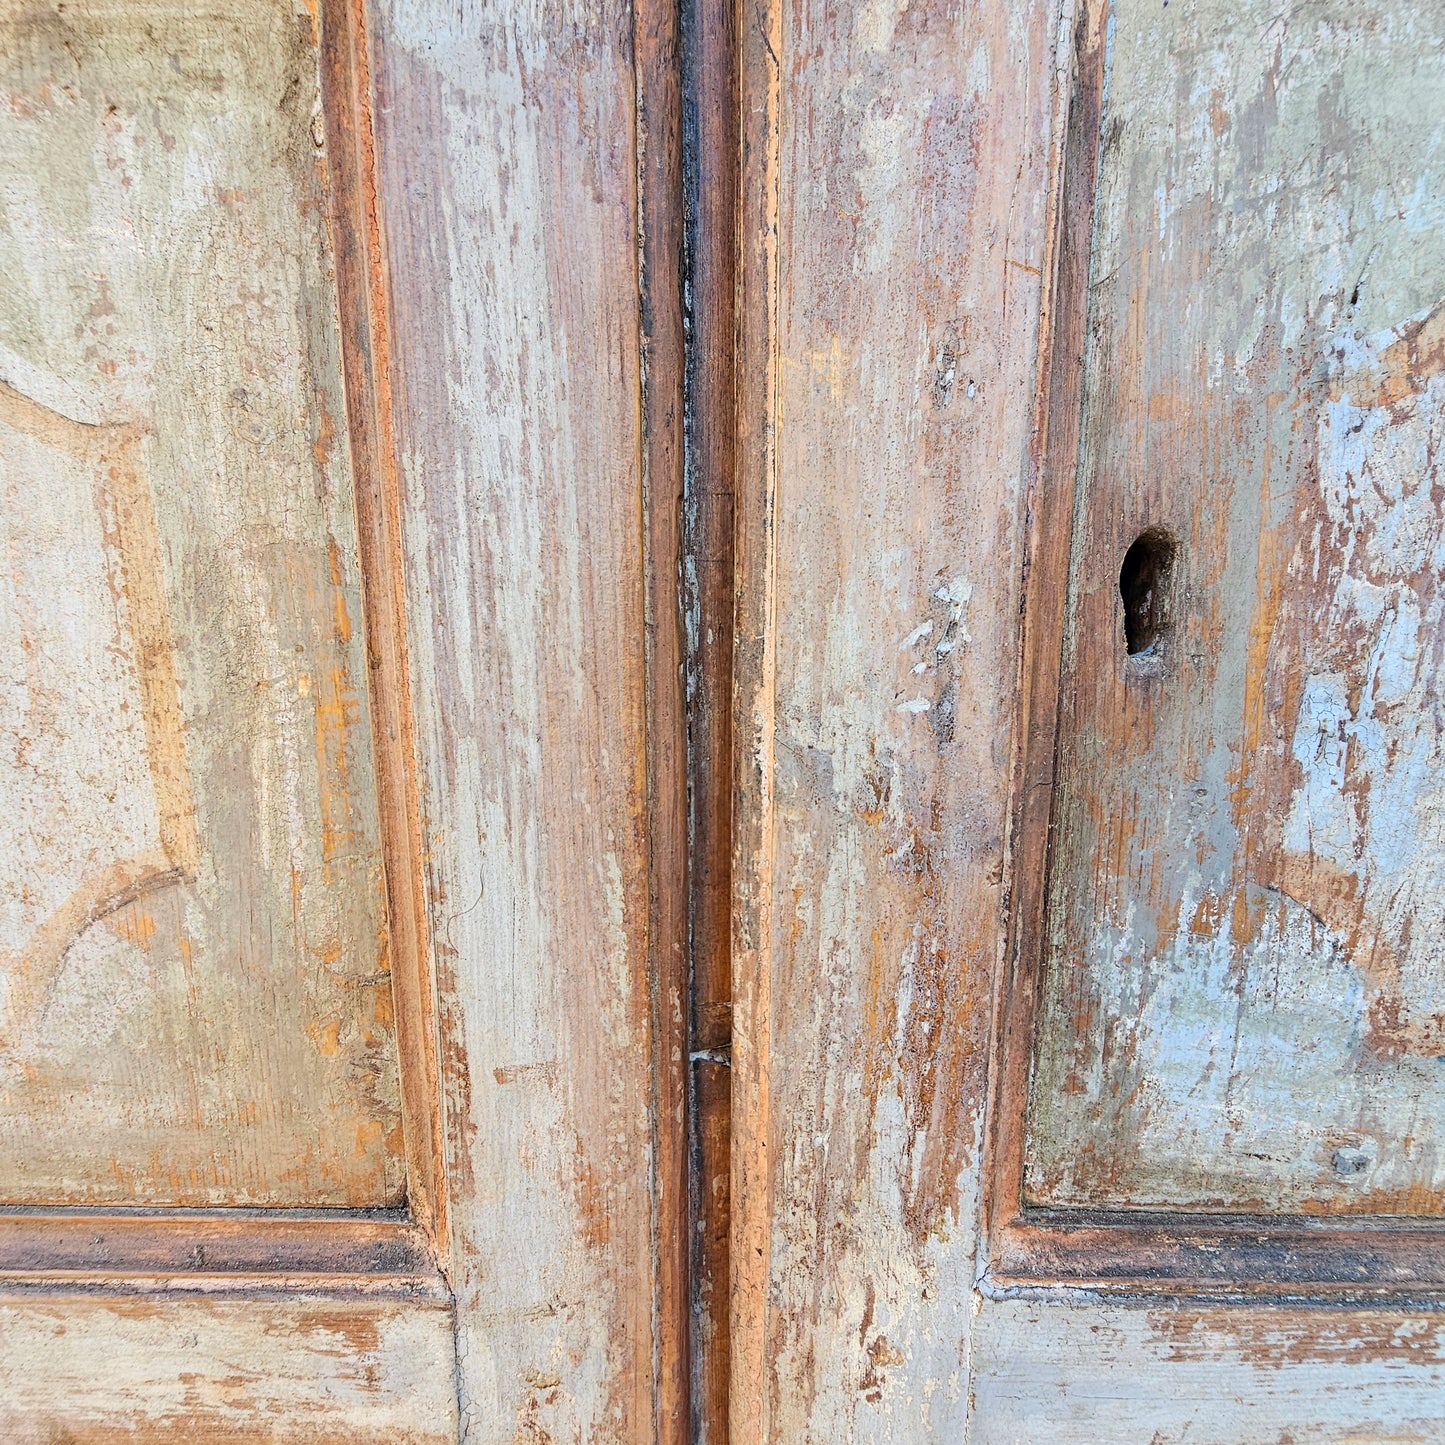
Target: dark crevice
<point>1144,581</point>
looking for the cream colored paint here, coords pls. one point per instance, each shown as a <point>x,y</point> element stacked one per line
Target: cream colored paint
<point>300,1371</point>
<point>196,997</point>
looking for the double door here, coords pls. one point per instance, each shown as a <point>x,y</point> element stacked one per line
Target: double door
<point>720,723</point>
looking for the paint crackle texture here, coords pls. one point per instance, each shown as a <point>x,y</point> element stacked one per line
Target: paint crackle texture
<point>195,1002</point>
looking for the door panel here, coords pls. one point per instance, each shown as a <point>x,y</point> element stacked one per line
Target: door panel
<point>342,424</point>
<point>1170,740</point>
<point>198,1002</point>
<point>1117,1374</point>
<point>1242,956</point>
<point>921,257</point>
<point>216,991</point>
<point>303,1371</point>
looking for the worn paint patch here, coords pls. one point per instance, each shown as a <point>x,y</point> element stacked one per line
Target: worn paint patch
<point>1242,1001</point>
<point>194,987</point>
<point>327,1372</point>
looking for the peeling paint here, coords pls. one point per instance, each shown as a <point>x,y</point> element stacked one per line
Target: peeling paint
<point>1243,1003</point>
<point>191,897</point>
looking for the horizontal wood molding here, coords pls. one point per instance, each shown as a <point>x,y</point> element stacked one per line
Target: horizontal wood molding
<point>1237,1256</point>
<point>122,1248</point>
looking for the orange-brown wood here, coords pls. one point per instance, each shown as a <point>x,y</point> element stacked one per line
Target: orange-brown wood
<point>230,1249</point>
<point>751,1195</point>
<point>1050,502</point>
<point>362,297</point>
<point>659,165</point>
<point>710,60</point>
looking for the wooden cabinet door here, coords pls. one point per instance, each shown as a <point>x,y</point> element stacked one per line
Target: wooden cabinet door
<point>719,721</point>
<point>329,1051</point>
<point>219,1099</point>
<point>1087,1065</point>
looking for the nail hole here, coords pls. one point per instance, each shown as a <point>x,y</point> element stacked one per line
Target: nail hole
<point>1350,1161</point>
<point>1144,587</point>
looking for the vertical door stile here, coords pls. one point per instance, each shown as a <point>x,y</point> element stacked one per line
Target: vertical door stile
<point>663,340</point>
<point>711,148</point>
<point>759,249</point>
<point>527,162</point>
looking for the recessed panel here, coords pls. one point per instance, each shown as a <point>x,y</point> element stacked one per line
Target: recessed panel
<point>1242,1002</point>
<point>195,1002</point>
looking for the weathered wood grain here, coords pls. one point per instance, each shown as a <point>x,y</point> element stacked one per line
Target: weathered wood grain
<point>892,238</point>
<point>508,168</point>
<point>710,86</point>
<point>197,1006</point>
<point>1242,956</point>
<point>1095,1375</point>
<point>300,1371</point>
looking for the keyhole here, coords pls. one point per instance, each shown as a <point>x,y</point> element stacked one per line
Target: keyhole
<point>1144,586</point>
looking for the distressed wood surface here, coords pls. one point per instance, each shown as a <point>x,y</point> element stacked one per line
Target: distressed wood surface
<point>301,1371</point>
<point>1241,1000</point>
<point>197,1004</point>
<point>1165,1375</point>
<point>894,243</point>
<point>217,1249</point>
<point>657,39</point>
<point>361,290</point>
<point>509,169</point>
<point>891,253</point>
<point>710,85</point>
<point>892,238</point>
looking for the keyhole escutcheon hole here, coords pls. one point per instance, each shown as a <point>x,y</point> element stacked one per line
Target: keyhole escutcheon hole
<point>1144,587</point>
